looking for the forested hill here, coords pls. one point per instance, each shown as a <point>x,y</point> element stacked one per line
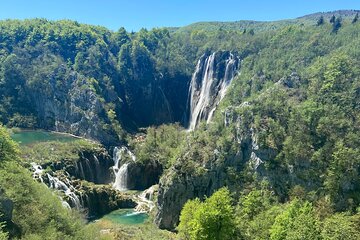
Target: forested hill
<point>280,115</point>
<point>90,81</point>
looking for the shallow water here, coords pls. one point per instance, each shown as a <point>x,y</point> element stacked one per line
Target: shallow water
<point>126,216</point>
<point>25,137</point>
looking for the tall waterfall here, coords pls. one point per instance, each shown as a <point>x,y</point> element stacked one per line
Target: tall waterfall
<point>121,172</point>
<point>212,76</point>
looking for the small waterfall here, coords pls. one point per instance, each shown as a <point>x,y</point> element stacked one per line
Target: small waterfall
<point>37,171</point>
<point>145,200</point>
<point>121,172</point>
<point>68,190</point>
<point>121,178</point>
<point>209,83</point>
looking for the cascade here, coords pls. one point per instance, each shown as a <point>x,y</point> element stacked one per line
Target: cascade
<point>209,83</point>
<point>68,190</point>
<point>121,172</point>
<point>97,164</point>
<point>57,184</point>
<point>37,171</point>
<point>145,200</point>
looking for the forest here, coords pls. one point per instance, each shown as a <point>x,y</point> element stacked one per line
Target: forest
<point>279,159</point>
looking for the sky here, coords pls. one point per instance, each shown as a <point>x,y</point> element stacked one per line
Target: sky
<point>135,14</point>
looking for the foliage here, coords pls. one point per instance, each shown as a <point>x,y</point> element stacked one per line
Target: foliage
<point>211,219</point>
<point>296,222</point>
<point>38,214</point>
<point>162,144</point>
<point>339,226</point>
<point>54,151</point>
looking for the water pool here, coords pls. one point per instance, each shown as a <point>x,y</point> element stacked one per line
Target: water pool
<point>25,137</point>
<point>126,216</point>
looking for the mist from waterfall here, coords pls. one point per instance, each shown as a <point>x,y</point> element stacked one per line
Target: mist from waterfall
<point>208,87</point>
<point>121,169</point>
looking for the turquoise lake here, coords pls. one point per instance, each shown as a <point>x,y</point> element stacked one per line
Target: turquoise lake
<point>126,216</point>
<point>25,137</point>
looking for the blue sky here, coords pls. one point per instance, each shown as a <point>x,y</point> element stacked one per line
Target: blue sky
<point>134,14</point>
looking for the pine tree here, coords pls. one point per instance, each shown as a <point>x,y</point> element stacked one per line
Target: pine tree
<point>336,25</point>
<point>332,19</point>
<point>356,18</point>
<point>320,21</point>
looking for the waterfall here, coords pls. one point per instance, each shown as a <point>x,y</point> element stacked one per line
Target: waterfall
<point>121,178</point>
<point>145,200</point>
<point>209,84</point>
<point>68,190</point>
<point>37,171</point>
<point>121,172</point>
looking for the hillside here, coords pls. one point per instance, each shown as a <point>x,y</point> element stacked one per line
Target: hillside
<point>245,134</point>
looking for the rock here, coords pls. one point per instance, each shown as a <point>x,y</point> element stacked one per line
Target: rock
<point>176,187</point>
<point>75,109</point>
<point>101,200</point>
<point>93,165</point>
<point>143,175</point>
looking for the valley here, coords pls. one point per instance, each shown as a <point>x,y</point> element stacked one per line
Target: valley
<point>238,130</point>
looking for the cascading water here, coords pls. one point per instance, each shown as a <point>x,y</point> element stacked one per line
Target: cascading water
<point>121,172</point>
<point>57,184</point>
<point>145,200</point>
<point>68,190</point>
<point>209,83</point>
<point>37,171</point>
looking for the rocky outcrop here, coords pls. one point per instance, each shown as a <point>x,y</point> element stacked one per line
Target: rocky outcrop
<point>73,108</point>
<point>93,165</point>
<point>177,186</point>
<point>143,175</point>
<point>99,200</point>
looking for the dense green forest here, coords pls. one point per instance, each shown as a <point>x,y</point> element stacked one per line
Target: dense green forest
<point>279,160</point>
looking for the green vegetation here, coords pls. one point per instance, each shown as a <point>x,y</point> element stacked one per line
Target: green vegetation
<point>289,154</point>
<point>162,144</point>
<point>37,214</point>
<point>54,151</point>
<point>212,219</point>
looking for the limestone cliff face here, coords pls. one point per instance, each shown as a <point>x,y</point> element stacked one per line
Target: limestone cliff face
<point>143,175</point>
<point>74,108</point>
<point>100,200</point>
<point>92,166</point>
<point>178,185</point>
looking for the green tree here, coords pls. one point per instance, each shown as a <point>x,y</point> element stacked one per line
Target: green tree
<point>212,219</point>
<point>298,221</point>
<point>320,21</point>
<point>336,25</point>
<point>340,226</point>
<point>332,19</point>
<point>356,18</point>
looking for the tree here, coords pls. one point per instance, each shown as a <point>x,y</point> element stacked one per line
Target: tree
<point>8,148</point>
<point>320,21</point>
<point>336,25</point>
<point>356,18</point>
<point>211,219</point>
<point>296,222</point>
<point>332,19</point>
<point>339,226</point>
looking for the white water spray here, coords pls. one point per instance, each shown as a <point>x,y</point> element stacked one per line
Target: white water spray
<point>121,172</point>
<point>205,95</point>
